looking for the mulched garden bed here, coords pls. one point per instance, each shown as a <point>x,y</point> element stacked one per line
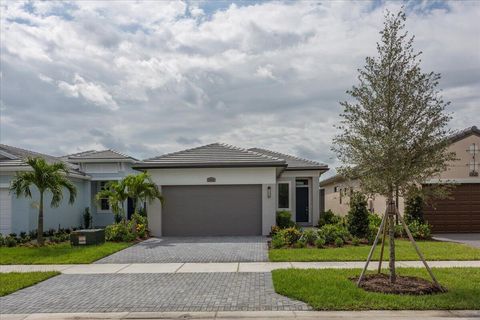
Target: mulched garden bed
<point>403,285</point>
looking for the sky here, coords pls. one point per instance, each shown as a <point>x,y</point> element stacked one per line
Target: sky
<point>147,78</point>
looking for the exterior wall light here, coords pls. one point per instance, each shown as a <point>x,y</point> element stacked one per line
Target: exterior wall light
<point>269,192</point>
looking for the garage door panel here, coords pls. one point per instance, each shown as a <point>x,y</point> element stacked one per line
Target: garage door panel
<point>231,210</point>
<point>459,213</point>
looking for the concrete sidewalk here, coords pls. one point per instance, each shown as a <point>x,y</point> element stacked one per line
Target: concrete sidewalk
<point>284,315</point>
<point>218,267</point>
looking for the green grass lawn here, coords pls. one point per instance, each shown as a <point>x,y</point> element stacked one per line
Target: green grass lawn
<point>330,289</point>
<point>432,250</point>
<point>62,253</point>
<point>13,281</point>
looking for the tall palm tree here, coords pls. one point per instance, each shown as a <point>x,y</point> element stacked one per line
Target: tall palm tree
<point>116,193</point>
<point>46,177</point>
<point>141,188</point>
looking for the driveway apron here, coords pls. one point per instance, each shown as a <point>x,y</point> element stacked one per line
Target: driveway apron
<point>150,292</point>
<point>193,249</point>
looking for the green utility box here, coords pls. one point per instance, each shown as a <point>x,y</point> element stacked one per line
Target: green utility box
<point>87,237</point>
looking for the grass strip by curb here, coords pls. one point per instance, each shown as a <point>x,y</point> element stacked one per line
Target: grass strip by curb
<point>432,250</point>
<point>331,289</point>
<point>14,281</point>
<point>62,253</point>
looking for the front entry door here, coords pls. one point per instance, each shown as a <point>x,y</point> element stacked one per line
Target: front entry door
<point>301,203</point>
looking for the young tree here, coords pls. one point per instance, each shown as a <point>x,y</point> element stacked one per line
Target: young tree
<point>394,130</point>
<point>46,177</point>
<point>358,215</point>
<point>116,194</point>
<point>141,188</point>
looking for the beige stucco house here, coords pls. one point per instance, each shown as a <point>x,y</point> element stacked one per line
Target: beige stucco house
<point>461,213</point>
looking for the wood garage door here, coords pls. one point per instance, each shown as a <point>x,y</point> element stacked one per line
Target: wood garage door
<point>459,214</point>
<point>229,210</point>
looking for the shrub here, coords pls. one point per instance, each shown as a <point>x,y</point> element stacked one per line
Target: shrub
<point>274,230</point>
<point>278,241</point>
<point>10,241</point>
<point>284,219</point>
<point>328,217</point>
<point>355,241</point>
<point>119,232</point>
<point>357,219</point>
<point>414,208</point>
<point>310,236</point>
<point>374,221</point>
<point>320,242</point>
<point>399,232</point>
<point>291,235</point>
<point>420,231</point>
<point>330,232</point>
<point>32,234</point>
<point>339,242</point>
<point>301,243</point>
<point>2,240</point>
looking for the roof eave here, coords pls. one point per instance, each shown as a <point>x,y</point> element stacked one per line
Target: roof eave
<point>206,165</point>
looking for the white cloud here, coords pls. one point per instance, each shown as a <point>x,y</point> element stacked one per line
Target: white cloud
<point>89,91</point>
<point>268,74</point>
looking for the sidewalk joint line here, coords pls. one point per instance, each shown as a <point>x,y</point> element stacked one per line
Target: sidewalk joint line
<point>128,265</point>
<point>179,268</point>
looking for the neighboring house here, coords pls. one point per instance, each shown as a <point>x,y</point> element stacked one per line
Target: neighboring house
<point>220,189</point>
<point>89,171</point>
<point>459,213</point>
<point>21,214</point>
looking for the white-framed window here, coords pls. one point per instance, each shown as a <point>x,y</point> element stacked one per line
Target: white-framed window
<point>104,205</point>
<point>283,198</point>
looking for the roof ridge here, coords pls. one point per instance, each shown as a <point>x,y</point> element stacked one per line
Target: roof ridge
<point>177,152</point>
<point>289,155</point>
<point>79,153</point>
<point>35,152</point>
<point>250,151</point>
<point>120,153</point>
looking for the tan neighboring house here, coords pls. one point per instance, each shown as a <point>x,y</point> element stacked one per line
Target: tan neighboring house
<point>459,213</point>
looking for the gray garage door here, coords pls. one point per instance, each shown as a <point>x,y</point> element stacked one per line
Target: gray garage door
<point>231,210</point>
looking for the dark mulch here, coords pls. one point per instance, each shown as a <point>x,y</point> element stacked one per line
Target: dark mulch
<point>403,285</point>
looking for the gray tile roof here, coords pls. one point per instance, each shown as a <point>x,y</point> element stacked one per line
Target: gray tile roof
<point>293,163</point>
<point>212,155</point>
<point>98,155</point>
<point>16,157</point>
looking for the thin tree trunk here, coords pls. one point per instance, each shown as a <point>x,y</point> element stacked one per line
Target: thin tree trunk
<point>40,239</point>
<point>391,222</point>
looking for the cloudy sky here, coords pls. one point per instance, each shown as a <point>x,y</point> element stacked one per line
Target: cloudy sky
<point>147,78</point>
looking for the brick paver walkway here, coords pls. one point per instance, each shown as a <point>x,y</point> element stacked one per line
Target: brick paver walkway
<point>150,292</point>
<point>193,249</point>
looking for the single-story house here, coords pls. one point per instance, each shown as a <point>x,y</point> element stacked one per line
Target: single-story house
<point>459,213</point>
<point>89,171</point>
<point>215,189</point>
<point>222,190</point>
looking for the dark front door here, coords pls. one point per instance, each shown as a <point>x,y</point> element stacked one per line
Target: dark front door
<point>130,208</point>
<point>301,204</point>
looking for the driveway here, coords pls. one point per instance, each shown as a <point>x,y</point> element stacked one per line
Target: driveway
<point>193,249</point>
<point>150,292</point>
<point>472,239</point>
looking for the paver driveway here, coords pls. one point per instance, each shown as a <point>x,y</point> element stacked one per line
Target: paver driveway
<point>193,249</point>
<point>150,292</point>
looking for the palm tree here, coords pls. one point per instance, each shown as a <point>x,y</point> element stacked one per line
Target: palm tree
<point>141,188</point>
<point>115,192</point>
<point>46,177</point>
